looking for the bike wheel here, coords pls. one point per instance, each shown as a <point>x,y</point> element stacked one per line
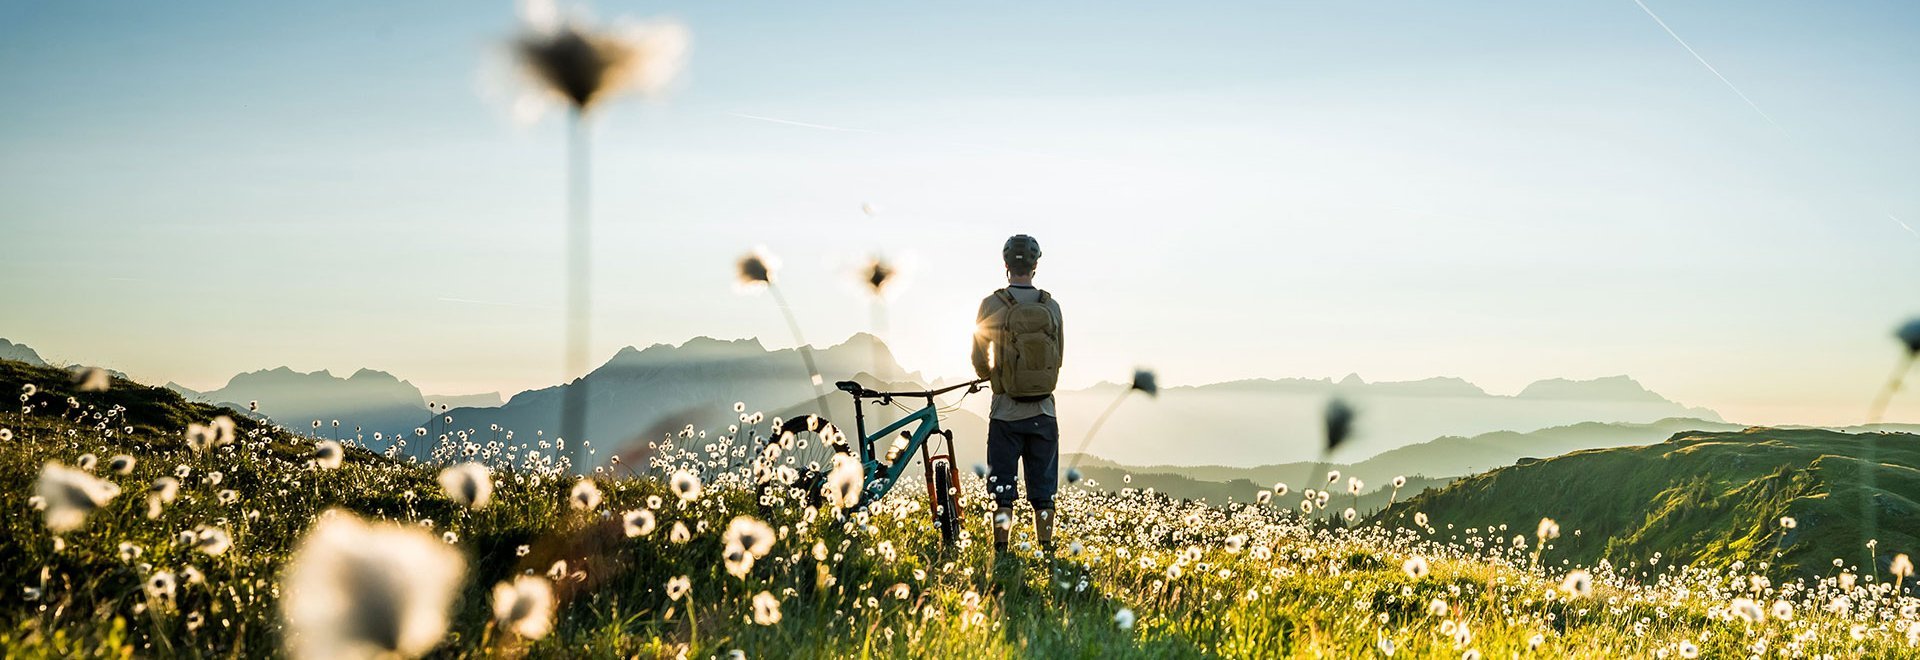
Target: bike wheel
<point>792,464</point>
<point>946,501</point>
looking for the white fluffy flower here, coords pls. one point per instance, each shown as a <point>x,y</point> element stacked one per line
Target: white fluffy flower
<point>355,589</point>
<point>69,495</point>
<point>524,606</point>
<point>468,484</point>
<point>585,495</point>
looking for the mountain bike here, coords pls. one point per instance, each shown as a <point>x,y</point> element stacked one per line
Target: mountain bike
<point>801,453</point>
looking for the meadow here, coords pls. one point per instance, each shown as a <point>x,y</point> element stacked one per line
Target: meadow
<point>134,523</point>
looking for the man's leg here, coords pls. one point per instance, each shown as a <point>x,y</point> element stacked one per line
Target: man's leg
<point>1003,459</point>
<point>1040,440</point>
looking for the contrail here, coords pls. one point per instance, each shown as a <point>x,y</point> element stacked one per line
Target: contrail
<point>1903,225</point>
<point>801,124</point>
<point>1703,62</point>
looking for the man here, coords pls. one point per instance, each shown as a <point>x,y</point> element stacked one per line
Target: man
<point>1017,346</point>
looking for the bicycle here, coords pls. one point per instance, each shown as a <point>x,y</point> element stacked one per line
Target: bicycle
<point>802,451</point>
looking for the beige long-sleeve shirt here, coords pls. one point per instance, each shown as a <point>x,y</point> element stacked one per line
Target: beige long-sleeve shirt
<point>993,313</point>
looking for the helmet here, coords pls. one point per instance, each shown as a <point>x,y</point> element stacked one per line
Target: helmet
<point>1021,253</point>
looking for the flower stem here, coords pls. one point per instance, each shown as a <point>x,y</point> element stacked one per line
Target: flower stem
<point>579,239</point>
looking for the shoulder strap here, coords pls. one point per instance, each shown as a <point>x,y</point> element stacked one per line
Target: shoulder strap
<point>1006,297</point>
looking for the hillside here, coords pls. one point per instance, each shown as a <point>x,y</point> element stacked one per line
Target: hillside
<point>1707,498</point>
<point>260,548</point>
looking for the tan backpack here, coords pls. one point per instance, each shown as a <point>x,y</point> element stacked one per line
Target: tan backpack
<point>1029,349</point>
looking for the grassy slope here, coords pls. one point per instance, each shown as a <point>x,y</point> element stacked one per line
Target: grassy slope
<point>1712,498</point>
<point>1318,593</point>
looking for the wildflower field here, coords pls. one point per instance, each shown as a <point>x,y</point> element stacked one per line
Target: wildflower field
<point>133,523</point>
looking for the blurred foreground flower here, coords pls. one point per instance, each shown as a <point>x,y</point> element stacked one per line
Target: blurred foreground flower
<point>328,454</point>
<point>360,590</point>
<point>1143,381</point>
<point>69,495</point>
<point>1909,336</point>
<point>1339,419</point>
<point>585,495</point>
<point>91,379</point>
<point>468,484</point>
<point>756,271</point>
<point>583,66</point>
<point>844,482</point>
<point>524,606</point>
<point>766,609</point>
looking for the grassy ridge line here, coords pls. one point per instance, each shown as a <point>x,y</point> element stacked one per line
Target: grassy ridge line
<point>1711,498</point>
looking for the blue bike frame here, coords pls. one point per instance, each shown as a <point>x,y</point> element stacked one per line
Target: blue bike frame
<point>881,476</point>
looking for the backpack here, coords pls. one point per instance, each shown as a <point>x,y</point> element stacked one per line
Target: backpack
<point>1028,364</point>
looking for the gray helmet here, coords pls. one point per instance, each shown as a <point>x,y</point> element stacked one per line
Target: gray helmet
<point>1021,253</point>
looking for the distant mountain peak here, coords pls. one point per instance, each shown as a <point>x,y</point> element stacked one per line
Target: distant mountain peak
<point>372,374</point>
<point>1609,388</point>
<point>1352,380</point>
<point>21,353</point>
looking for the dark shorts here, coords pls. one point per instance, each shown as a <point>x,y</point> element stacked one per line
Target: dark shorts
<point>1034,441</point>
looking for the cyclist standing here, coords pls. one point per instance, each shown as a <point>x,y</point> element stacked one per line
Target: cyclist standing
<point>1017,346</point>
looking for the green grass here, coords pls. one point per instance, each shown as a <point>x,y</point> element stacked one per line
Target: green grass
<point>1707,498</point>
<point>1260,582</point>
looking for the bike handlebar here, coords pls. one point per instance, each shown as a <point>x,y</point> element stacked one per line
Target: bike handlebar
<point>860,391</point>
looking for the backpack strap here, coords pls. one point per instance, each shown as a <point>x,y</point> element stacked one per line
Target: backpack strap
<point>1006,297</point>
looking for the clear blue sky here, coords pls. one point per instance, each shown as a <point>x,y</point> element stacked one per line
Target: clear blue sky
<point>1502,191</point>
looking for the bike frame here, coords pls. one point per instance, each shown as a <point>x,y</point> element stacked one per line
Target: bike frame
<point>880,476</point>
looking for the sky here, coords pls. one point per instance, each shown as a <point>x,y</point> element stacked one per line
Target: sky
<point>1499,191</point>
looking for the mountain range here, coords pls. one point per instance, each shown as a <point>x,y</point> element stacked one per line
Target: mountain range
<point>644,394</point>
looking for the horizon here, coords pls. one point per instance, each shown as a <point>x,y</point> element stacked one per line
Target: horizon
<point>1502,193</point>
<point>350,372</point>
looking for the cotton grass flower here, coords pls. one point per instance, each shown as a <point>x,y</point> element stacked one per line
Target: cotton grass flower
<point>160,586</point>
<point>1338,417</point>
<point>122,464</point>
<point>468,484</point>
<point>69,495</point>
<point>91,379</point>
<point>678,587</point>
<point>685,485</point>
<point>1578,583</point>
<point>583,65</point>
<point>1415,567</point>
<point>1746,610</point>
<point>1143,381</point>
<point>213,541</point>
<point>638,523</point>
<point>585,495</point>
<point>750,533</point>
<point>358,589</point>
<point>844,482</point>
<point>1123,619</point>
<point>524,606</point>
<point>766,609</point>
<point>328,454</point>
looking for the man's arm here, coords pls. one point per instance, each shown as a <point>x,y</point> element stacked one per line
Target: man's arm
<point>982,336</point>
